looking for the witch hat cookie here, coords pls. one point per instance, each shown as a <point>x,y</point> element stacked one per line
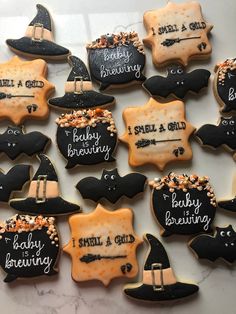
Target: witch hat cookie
<point>79,93</point>
<point>43,196</point>
<point>38,39</point>
<point>159,281</point>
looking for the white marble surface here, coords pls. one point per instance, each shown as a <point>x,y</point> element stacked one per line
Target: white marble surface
<point>77,22</point>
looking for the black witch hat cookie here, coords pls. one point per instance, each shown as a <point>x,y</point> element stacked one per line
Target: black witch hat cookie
<point>14,142</point>
<point>29,247</point>
<point>229,204</point>
<point>177,83</point>
<point>43,196</point>
<point>79,93</point>
<point>183,204</point>
<point>111,186</point>
<point>159,281</point>
<point>116,60</point>
<point>86,137</point>
<point>38,39</point>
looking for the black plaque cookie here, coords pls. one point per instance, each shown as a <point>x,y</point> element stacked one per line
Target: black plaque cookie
<point>29,247</point>
<point>14,142</point>
<point>178,82</point>
<point>225,85</point>
<point>221,245</point>
<point>116,59</point>
<point>111,186</point>
<point>86,137</point>
<point>38,39</point>
<point>79,93</point>
<point>183,204</point>
<point>223,134</point>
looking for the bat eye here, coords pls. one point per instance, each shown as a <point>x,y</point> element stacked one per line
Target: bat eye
<point>113,177</point>
<point>228,233</point>
<point>10,132</point>
<point>180,71</point>
<point>222,233</point>
<point>231,122</point>
<point>225,122</point>
<point>172,71</point>
<point>106,177</point>
<point>16,132</point>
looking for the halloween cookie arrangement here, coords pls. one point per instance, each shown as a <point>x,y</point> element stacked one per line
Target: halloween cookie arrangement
<point>103,243</point>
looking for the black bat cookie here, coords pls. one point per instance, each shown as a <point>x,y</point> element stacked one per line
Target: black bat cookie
<point>177,82</point>
<point>14,142</point>
<point>13,180</point>
<point>222,134</point>
<point>111,186</point>
<point>221,245</point>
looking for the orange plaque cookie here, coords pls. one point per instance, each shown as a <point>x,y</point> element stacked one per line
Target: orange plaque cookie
<point>157,133</point>
<point>103,245</point>
<point>24,90</point>
<point>177,32</point>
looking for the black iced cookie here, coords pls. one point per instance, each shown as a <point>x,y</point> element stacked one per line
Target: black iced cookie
<point>116,59</point>
<point>183,204</point>
<point>215,136</point>
<point>86,137</point>
<point>13,180</point>
<point>38,40</point>
<point>29,246</point>
<point>111,186</point>
<point>159,281</point>
<point>43,196</point>
<point>221,245</point>
<point>225,85</point>
<point>14,142</point>
<point>177,82</point>
<point>79,93</point>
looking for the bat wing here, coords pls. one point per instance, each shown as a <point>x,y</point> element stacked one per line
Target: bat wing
<point>133,184</point>
<point>159,86</point>
<point>197,79</point>
<point>34,142</point>
<point>209,135</point>
<point>205,246</point>
<point>90,188</point>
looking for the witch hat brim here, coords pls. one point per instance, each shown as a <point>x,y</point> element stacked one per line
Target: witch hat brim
<point>228,205</point>
<point>51,206</point>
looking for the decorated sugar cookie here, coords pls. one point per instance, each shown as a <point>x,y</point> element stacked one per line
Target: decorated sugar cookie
<point>43,196</point>
<point>157,133</point>
<point>38,40</point>
<point>24,90</point>
<point>159,282</point>
<point>183,204</point>
<point>29,247</point>
<point>103,245</point>
<point>13,180</point>
<point>111,186</point>
<point>79,93</point>
<point>116,60</point>
<point>86,137</point>
<point>223,134</point>
<point>177,83</point>
<point>177,32</point>
<point>221,245</point>
<point>14,142</point>
<point>229,204</point>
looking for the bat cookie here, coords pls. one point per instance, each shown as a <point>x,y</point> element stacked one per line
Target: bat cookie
<point>13,180</point>
<point>29,247</point>
<point>177,33</point>
<point>157,133</point>
<point>225,85</point>
<point>221,245</point>
<point>111,186</point>
<point>14,142</point>
<point>43,196</point>
<point>223,134</point>
<point>24,90</point>
<point>103,245</point>
<point>79,93</point>
<point>86,137</point>
<point>177,82</point>
<point>183,204</point>
<point>38,40</point>
<point>159,281</point>
<point>229,204</point>
<point>116,60</point>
